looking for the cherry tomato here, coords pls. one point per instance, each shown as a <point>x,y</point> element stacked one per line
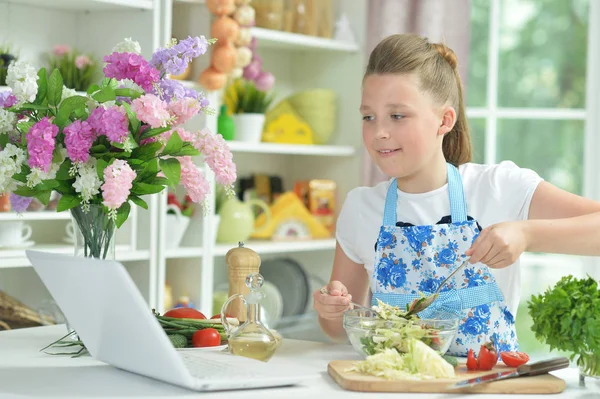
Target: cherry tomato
<point>206,337</point>
<point>514,359</point>
<point>185,313</point>
<point>488,357</point>
<point>471,361</point>
<point>218,316</point>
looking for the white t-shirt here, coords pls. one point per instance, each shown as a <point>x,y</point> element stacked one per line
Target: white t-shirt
<point>494,194</point>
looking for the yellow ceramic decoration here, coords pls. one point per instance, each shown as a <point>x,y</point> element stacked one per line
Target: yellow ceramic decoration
<point>286,208</point>
<point>287,129</point>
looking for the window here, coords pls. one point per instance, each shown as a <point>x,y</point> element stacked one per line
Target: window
<point>526,102</point>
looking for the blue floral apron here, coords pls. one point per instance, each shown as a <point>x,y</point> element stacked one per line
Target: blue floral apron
<point>415,259</point>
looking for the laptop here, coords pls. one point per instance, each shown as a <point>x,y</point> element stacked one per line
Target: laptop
<point>113,320</point>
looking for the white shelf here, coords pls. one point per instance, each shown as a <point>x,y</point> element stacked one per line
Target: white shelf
<point>86,5</point>
<point>293,149</point>
<point>267,38</point>
<point>10,258</point>
<point>275,247</point>
<point>184,252</point>
<point>43,215</point>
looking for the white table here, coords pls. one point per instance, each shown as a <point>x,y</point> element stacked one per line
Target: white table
<point>26,372</point>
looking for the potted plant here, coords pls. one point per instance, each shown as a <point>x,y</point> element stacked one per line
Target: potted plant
<point>77,69</point>
<point>248,105</point>
<point>6,57</point>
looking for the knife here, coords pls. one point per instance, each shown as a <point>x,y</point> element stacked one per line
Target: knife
<point>537,368</point>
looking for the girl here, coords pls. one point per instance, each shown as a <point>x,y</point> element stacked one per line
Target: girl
<point>404,236</point>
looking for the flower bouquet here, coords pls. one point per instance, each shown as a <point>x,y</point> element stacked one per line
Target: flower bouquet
<point>105,150</point>
<point>76,69</point>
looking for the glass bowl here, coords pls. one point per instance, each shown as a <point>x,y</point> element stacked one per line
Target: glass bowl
<point>369,334</point>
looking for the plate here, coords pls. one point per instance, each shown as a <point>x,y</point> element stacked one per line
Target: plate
<point>22,245</point>
<point>291,280</point>
<point>205,349</point>
<point>272,304</point>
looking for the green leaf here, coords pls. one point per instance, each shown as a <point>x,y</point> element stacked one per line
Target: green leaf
<point>172,170</point>
<point>98,149</point>
<point>24,127</point>
<point>134,122</point>
<point>188,149</point>
<point>63,170</point>
<point>55,88</point>
<point>46,185</point>
<point>36,107</point>
<point>130,141</point>
<point>93,88</point>
<point>145,188</point>
<point>25,191</point>
<point>109,82</point>
<point>138,201</point>
<point>123,214</point>
<point>42,86</point>
<point>67,202</point>
<point>44,196</point>
<point>146,151</point>
<point>128,93</point>
<point>174,145</point>
<point>160,180</point>
<point>101,164</point>
<point>154,132</point>
<point>4,140</point>
<point>22,177</point>
<point>68,106</point>
<point>104,95</point>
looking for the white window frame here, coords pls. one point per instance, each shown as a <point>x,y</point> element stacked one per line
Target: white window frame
<point>590,115</point>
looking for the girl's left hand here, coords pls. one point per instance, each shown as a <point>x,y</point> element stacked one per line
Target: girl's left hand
<point>499,245</point>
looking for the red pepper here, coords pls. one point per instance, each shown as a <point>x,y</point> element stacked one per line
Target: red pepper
<point>471,361</point>
<point>488,357</point>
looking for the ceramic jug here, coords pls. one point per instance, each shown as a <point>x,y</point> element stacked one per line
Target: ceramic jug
<point>237,220</point>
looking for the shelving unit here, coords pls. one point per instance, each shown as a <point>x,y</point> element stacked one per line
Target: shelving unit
<point>299,62</point>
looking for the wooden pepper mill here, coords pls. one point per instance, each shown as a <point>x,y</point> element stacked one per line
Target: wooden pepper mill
<point>241,262</point>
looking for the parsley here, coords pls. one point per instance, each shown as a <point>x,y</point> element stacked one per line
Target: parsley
<point>567,317</point>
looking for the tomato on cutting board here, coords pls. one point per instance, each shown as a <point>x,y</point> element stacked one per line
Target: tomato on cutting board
<point>218,316</point>
<point>514,359</point>
<point>206,337</point>
<point>185,313</point>
<point>488,357</point>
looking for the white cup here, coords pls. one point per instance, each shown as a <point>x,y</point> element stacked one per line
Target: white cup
<point>70,230</point>
<point>14,233</point>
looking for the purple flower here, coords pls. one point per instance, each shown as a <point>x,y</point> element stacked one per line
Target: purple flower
<point>131,66</point>
<point>40,144</point>
<point>174,60</point>
<point>110,122</point>
<point>170,89</point>
<point>79,138</point>
<point>7,99</point>
<point>19,204</point>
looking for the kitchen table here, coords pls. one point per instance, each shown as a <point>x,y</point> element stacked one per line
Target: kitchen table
<point>27,372</point>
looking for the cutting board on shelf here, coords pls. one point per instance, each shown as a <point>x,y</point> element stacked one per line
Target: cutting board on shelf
<point>352,381</point>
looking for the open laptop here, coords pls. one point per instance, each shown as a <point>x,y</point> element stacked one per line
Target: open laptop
<point>111,317</point>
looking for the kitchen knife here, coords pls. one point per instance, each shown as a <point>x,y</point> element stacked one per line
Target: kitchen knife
<point>537,368</point>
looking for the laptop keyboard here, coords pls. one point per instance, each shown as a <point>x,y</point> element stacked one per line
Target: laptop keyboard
<point>202,369</point>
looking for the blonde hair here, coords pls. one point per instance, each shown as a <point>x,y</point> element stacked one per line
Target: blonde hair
<point>435,66</point>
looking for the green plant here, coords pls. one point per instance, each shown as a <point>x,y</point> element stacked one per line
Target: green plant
<point>6,57</point>
<point>567,317</point>
<point>242,97</point>
<point>77,69</point>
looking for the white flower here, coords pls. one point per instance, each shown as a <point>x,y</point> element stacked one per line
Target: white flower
<point>87,182</point>
<point>128,46</point>
<point>66,93</point>
<point>22,79</point>
<point>8,120</point>
<point>11,159</point>
<point>130,84</point>
<point>36,176</point>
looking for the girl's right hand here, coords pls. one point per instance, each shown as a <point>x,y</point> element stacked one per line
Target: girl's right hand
<point>334,305</point>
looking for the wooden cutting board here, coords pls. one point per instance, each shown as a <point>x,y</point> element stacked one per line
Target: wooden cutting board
<point>540,384</point>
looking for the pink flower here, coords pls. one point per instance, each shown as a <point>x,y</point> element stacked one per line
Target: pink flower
<point>131,66</point>
<point>81,61</point>
<point>79,138</point>
<point>118,180</point>
<point>193,180</point>
<point>110,122</point>
<point>184,134</point>
<point>218,156</point>
<point>40,144</point>
<point>61,49</point>
<point>151,110</point>
<point>184,109</point>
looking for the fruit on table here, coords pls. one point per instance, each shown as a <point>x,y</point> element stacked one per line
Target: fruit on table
<point>471,361</point>
<point>514,359</point>
<point>185,313</point>
<point>206,337</point>
<point>488,357</point>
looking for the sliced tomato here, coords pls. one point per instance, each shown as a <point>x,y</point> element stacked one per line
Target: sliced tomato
<point>218,316</point>
<point>206,337</point>
<point>514,359</point>
<point>471,361</point>
<point>185,313</point>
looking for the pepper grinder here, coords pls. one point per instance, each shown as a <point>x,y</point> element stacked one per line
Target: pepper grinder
<point>241,262</point>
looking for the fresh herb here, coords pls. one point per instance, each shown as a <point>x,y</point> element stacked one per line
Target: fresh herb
<point>567,317</point>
